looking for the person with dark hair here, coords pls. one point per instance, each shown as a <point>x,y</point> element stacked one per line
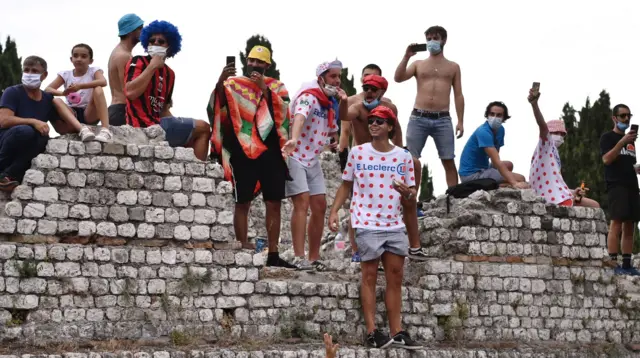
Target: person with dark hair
<point>378,175</point>
<point>83,93</point>
<point>129,29</point>
<point>149,89</point>
<point>484,145</point>
<point>435,76</point>
<point>314,109</point>
<point>24,131</point>
<point>247,139</point>
<point>618,151</point>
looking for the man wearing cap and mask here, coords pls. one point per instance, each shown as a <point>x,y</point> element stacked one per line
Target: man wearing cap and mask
<point>315,110</point>
<point>149,90</point>
<point>545,175</point>
<point>129,29</point>
<point>374,87</point>
<point>249,117</point>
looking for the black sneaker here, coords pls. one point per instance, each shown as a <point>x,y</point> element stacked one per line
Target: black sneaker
<point>418,253</point>
<point>7,183</point>
<point>277,261</point>
<point>377,339</point>
<point>402,340</point>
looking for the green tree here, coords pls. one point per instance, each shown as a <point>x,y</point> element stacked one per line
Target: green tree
<point>426,185</point>
<point>346,83</point>
<point>256,40</point>
<point>10,65</point>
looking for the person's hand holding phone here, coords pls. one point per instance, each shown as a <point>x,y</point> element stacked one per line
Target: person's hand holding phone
<point>410,52</point>
<point>629,137</point>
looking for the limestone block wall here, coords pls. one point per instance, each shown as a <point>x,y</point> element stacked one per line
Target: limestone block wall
<point>135,189</point>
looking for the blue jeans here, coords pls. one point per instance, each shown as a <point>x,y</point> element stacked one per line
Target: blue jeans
<point>441,129</point>
<point>18,146</point>
<point>178,130</point>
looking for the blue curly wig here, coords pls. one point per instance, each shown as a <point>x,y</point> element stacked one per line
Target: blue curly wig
<point>168,30</point>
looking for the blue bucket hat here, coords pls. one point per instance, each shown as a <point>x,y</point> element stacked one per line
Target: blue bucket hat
<point>128,23</point>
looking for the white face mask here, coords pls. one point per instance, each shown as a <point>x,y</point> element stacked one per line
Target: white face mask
<point>157,50</point>
<point>557,140</point>
<point>494,122</point>
<point>31,80</point>
<point>330,90</point>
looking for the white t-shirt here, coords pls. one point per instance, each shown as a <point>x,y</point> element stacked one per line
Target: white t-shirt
<point>85,94</point>
<point>315,131</point>
<point>544,175</point>
<point>375,203</point>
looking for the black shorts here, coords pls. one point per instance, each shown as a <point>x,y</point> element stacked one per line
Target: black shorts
<point>269,169</point>
<point>78,112</point>
<point>117,114</point>
<point>624,203</point>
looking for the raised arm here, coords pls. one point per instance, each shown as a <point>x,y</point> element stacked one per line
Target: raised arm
<point>138,77</point>
<point>54,85</point>
<point>537,114</point>
<point>402,72</point>
<point>610,155</point>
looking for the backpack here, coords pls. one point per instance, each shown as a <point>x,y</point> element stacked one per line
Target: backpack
<point>465,189</point>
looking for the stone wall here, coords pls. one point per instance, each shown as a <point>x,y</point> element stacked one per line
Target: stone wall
<point>136,188</point>
<point>505,266</point>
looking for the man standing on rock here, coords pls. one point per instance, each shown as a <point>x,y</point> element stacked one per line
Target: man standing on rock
<point>247,137</point>
<point>435,76</point>
<point>129,29</point>
<point>149,89</point>
<point>314,121</point>
<point>374,87</point>
<point>618,152</point>
<point>377,175</point>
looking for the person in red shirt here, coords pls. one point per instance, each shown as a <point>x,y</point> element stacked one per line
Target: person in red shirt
<point>149,89</point>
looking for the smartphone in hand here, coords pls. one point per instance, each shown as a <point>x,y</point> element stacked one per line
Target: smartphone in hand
<point>634,128</point>
<point>419,48</point>
<point>231,59</point>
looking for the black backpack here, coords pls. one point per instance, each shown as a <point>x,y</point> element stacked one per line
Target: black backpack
<point>465,189</point>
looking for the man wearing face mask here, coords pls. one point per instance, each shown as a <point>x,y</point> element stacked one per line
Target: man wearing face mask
<point>149,90</point>
<point>620,174</point>
<point>435,76</point>
<point>314,121</point>
<point>545,174</point>
<point>484,145</point>
<point>247,137</point>
<point>24,132</point>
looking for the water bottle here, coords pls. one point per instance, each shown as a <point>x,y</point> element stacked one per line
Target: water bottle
<point>261,244</point>
<point>340,242</point>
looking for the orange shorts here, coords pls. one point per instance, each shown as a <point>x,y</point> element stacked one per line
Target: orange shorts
<point>568,202</point>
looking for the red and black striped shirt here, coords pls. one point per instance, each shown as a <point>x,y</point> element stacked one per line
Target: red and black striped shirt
<point>145,110</point>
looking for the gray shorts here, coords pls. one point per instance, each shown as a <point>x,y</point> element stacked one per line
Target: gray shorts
<point>491,173</point>
<point>305,179</point>
<point>178,130</point>
<point>373,243</point>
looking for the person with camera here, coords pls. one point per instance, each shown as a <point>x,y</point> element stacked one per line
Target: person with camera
<point>249,117</point>
<point>545,175</point>
<point>618,151</point>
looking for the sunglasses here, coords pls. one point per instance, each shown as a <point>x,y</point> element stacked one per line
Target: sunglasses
<point>625,115</point>
<point>157,41</point>
<point>376,120</point>
<point>369,88</point>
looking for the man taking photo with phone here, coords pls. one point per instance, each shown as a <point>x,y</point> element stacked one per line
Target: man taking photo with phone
<point>249,116</point>
<point>619,157</point>
<point>436,76</point>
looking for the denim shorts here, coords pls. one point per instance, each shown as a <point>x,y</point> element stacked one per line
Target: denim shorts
<point>420,128</point>
<point>178,130</point>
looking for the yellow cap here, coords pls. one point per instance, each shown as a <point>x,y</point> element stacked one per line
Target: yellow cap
<point>260,53</point>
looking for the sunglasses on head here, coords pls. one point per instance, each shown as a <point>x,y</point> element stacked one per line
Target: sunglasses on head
<point>157,41</point>
<point>376,120</point>
<point>368,88</point>
<point>625,115</point>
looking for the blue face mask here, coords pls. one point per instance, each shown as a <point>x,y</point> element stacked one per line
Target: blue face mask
<point>494,122</point>
<point>433,47</point>
<point>622,126</point>
<point>371,105</point>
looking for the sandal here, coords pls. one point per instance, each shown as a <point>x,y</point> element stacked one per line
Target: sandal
<point>319,266</point>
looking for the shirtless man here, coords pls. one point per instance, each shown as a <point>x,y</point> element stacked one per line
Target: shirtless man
<point>435,77</point>
<point>370,69</point>
<point>129,28</point>
<point>374,87</point>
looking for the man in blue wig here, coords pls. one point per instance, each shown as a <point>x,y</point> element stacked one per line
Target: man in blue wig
<point>149,89</point>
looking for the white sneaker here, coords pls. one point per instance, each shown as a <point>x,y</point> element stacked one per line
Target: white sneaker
<point>86,134</point>
<point>104,136</point>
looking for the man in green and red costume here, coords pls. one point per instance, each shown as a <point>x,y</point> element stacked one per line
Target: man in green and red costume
<point>249,117</point>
